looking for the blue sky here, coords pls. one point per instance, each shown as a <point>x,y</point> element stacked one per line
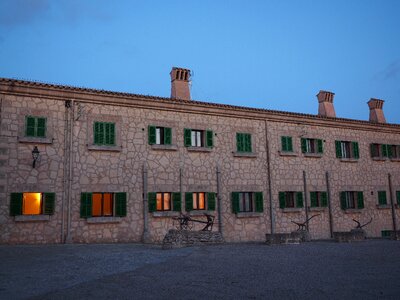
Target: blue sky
<point>267,54</point>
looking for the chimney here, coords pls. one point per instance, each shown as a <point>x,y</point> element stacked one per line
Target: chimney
<point>325,108</point>
<point>180,83</point>
<point>375,111</point>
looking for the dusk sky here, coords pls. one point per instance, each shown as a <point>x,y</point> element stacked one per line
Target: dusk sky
<point>265,54</point>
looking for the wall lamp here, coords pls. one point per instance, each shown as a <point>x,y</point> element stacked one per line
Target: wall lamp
<point>35,156</point>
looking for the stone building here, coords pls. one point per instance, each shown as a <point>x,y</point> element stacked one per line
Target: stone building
<point>84,166</point>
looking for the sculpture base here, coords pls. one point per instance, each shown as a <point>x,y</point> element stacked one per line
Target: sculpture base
<point>185,238</point>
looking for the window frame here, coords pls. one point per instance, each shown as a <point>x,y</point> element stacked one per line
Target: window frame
<point>119,205</point>
<point>163,201</point>
<point>351,200</point>
<point>311,146</point>
<point>347,149</point>
<point>238,202</point>
<point>318,199</point>
<point>206,138</point>
<point>102,214</point>
<point>287,197</point>
<point>47,204</point>
<point>35,127</point>
<point>244,142</point>
<point>287,144</point>
<point>103,135</point>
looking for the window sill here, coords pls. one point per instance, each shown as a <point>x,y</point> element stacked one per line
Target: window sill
<point>249,215</point>
<point>104,148</point>
<point>199,149</point>
<point>245,154</point>
<point>395,159</point>
<point>165,214</point>
<point>198,213</point>
<point>164,147</point>
<point>36,140</point>
<point>349,160</point>
<point>313,155</point>
<point>32,218</point>
<point>383,206</point>
<point>292,210</point>
<point>103,220</point>
<point>283,153</point>
<point>379,158</point>
<point>353,211</point>
<point>320,209</point>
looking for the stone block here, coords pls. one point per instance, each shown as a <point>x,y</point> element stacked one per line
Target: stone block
<point>353,235</point>
<point>185,238</point>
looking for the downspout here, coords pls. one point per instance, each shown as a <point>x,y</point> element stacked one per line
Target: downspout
<point>220,225</point>
<point>272,220</point>
<point>305,198</point>
<point>65,172</point>
<point>329,204</point>
<point>68,238</point>
<point>146,234</point>
<point>392,207</point>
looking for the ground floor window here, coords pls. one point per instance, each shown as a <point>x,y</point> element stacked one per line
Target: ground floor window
<point>318,199</point>
<point>103,205</point>
<point>351,200</point>
<point>199,201</point>
<point>382,198</point>
<point>164,201</point>
<point>247,202</point>
<point>32,203</point>
<point>290,199</point>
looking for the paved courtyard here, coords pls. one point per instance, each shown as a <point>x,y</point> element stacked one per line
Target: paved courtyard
<point>316,270</point>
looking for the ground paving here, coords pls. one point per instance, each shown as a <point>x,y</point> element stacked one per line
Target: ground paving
<point>315,270</point>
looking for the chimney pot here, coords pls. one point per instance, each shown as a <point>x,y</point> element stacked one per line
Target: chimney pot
<point>180,83</point>
<point>376,114</point>
<point>325,100</point>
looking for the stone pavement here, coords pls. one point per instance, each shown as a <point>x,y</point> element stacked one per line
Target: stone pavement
<point>315,270</point>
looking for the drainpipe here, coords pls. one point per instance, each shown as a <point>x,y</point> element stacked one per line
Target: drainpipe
<point>392,207</point>
<point>146,233</point>
<point>220,225</point>
<point>65,172</point>
<point>305,198</point>
<point>69,153</point>
<point>329,204</point>
<point>271,213</point>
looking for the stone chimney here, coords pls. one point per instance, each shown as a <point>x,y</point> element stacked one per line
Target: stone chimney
<point>325,100</point>
<point>180,83</point>
<point>375,111</point>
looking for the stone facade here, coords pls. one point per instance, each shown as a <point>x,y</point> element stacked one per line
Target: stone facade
<point>71,164</point>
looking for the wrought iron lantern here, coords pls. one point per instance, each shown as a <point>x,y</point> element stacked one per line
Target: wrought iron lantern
<point>35,155</point>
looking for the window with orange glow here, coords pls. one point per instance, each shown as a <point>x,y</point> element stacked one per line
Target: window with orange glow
<point>199,201</point>
<point>163,201</point>
<point>32,204</point>
<point>102,204</point>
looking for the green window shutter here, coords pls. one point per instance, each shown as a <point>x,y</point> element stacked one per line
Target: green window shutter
<point>284,143</point>
<point>324,199</point>
<point>86,205</point>
<point>176,201</point>
<point>187,137</point>
<point>338,145</point>
<point>167,136</point>
<point>398,197</point>
<point>299,199</point>
<point>16,204</point>
<point>211,201</point>
<point>151,131</point>
<point>41,127</point>
<point>239,142</point>
<point>356,153</point>
<point>247,142</point>
<point>209,139</point>
<point>49,203</point>
<point>188,201</point>
<point>111,136</point>
<point>303,145</point>
<point>384,150</point>
<point>343,202</point>
<point>152,201</point>
<point>373,150</point>
<point>382,197</point>
<point>389,151</point>
<point>30,126</point>
<point>290,144</point>
<point>320,146</point>
<point>98,129</point>
<point>282,199</point>
<point>235,202</point>
<point>313,199</point>
<point>120,204</point>
<point>259,202</point>
<point>360,200</point>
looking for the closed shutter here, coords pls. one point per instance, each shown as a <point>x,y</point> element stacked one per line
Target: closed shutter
<point>360,200</point>
<point>313,199</point>
<point>239,142</point>
<point>384,150</point>
<point>151,131</point>
<point>324,199</point>
<point>247,143</point>
<point>303,145</point>
<point>320,146</point>
<point>98,133</point>
<point>299,199</point>
<point>373,150</point>
<point>41,127</point>
<point>167,136</point>
<point>284,143</point>
<point>110,139</point>
<point>338,145</point>
<point>30,126</point>
<point>16,204</point>
<point>382,197</point>
<point>209,139</point>
<point>259,202</point>
<point>176,200</point>
<point>235,202</point>
<point>49,203</point>
<point>290,143</point>
<point>152,201</point>
<point>86,205</point>
<point>356,153</point>
<point>187,137</point>
<point>390,151</point>
<point>343,202</point>
<point>120,204</point>
<point>188,201</point>
<point>282,199</point>
<point>211,201</point>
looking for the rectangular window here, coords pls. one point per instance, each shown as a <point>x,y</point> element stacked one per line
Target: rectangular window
<point>104,133</point>
<point>243,142</point>
<point>35,126</point>
<point>345,149</point>
<point>290,199</point>
<point>311,146</point>
<point>198,138</point>
<point>394,151</point>
<point>32,204</point>
<point>286,143</point>
<point>163,201</point>
<point>351,200</point>
<point>159,135</point>
<point>103,205</point>
<point>199,201</point>
<point>247,202</point>
<point>382,198</point>
<point>318,199</point>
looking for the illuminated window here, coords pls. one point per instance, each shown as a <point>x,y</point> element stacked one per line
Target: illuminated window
<point>103,205</point>
<point>163,201</point>
<point>32,203</point>
<point>158,202</point>
<point>199,201</point>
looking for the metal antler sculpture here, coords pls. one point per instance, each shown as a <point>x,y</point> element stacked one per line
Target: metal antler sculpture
<point>359,226</point>
<point>302,226</point>
<point>185,222</point>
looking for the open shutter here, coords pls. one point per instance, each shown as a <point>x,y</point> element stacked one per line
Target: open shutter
<point>30,126</point>
<point>152,201</point>
<point>187,137</point>
<point>303,145</point>
<point>384,149</point>
<point>313,199</point>
<point>151,131</point>
<point>211,201</point>
<point>41,127</point>
<point>49,203</point>
<point>324,199</point>
<point>111,134</point>
<point>86,205</point>
<point>356,153</point>
<point>120,204</point>
<point>239,142</point>
<point>382,198</point>
<point>235,202</point>
<point>16,204</point>
<point>398,197</point>
<point>247,143</point>
<point>320,146</point>
<point>176,201</point>
<point>259,202</point>
<point>282,200</point>
<point>167,136</point>
<point>343,202</point>
<point>299,199</point>
<point>209,139</point>
<point>188,201</point>
<point>338,145</point>
<point>360,200</point>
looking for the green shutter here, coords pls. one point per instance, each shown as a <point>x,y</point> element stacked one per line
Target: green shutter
<point>211,201</point>
<point>282,199</point>
<point>151,131</point>
<point>248,143</point>
<point>343,202</point>
<point>176,200</point>
<point>303,145</point>
<point>284,143</point>
<point>338,145</point>
<point>299,199</point>
<point>320,146</point>
<point>49,203</point>
<point>389,151</point>
<point>239,142</point>
<point>167,136</point>
<point>360,200</point>
<point>384,150</point>
<point>152,201</point>
<point>209,139</point>
<point>373,150</point>
<point>16,204</point>
<point>98,129</point>
<point>41,127</point>
<point>30,126</point>
<point>356,153</point>
<point>313,199</point>
<point>382,198</point>
<point>111,137</point>
<point>324,199</point>
<point>235,202</point>
<point>188,201</point>
<point>120,204</point>
<point>187,137</point>
<point>290,144</point>
<point>86,205</point>
<point>398,197</point>
<point>259,202</point>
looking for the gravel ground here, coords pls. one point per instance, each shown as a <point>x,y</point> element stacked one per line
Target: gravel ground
<point>316,270</point>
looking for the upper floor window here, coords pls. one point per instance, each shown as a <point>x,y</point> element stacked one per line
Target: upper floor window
<point>199,201</point>
<point>243,142</point>
<point>32,204</point>
<point>103,205</point>
<point>198,138</point>
<point>351,200</point>
<point>159,135</point>
<point>318,199</point>
<point>345,149</point>
<point>311,146</point>
<point>104,133</point>
<point>383,151</point>
<point>290,199</point>
<point>35,126</point>
<point>382,198</point>
<point>286,143</point>
<point>247,202</point>
<point>164,201</point>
